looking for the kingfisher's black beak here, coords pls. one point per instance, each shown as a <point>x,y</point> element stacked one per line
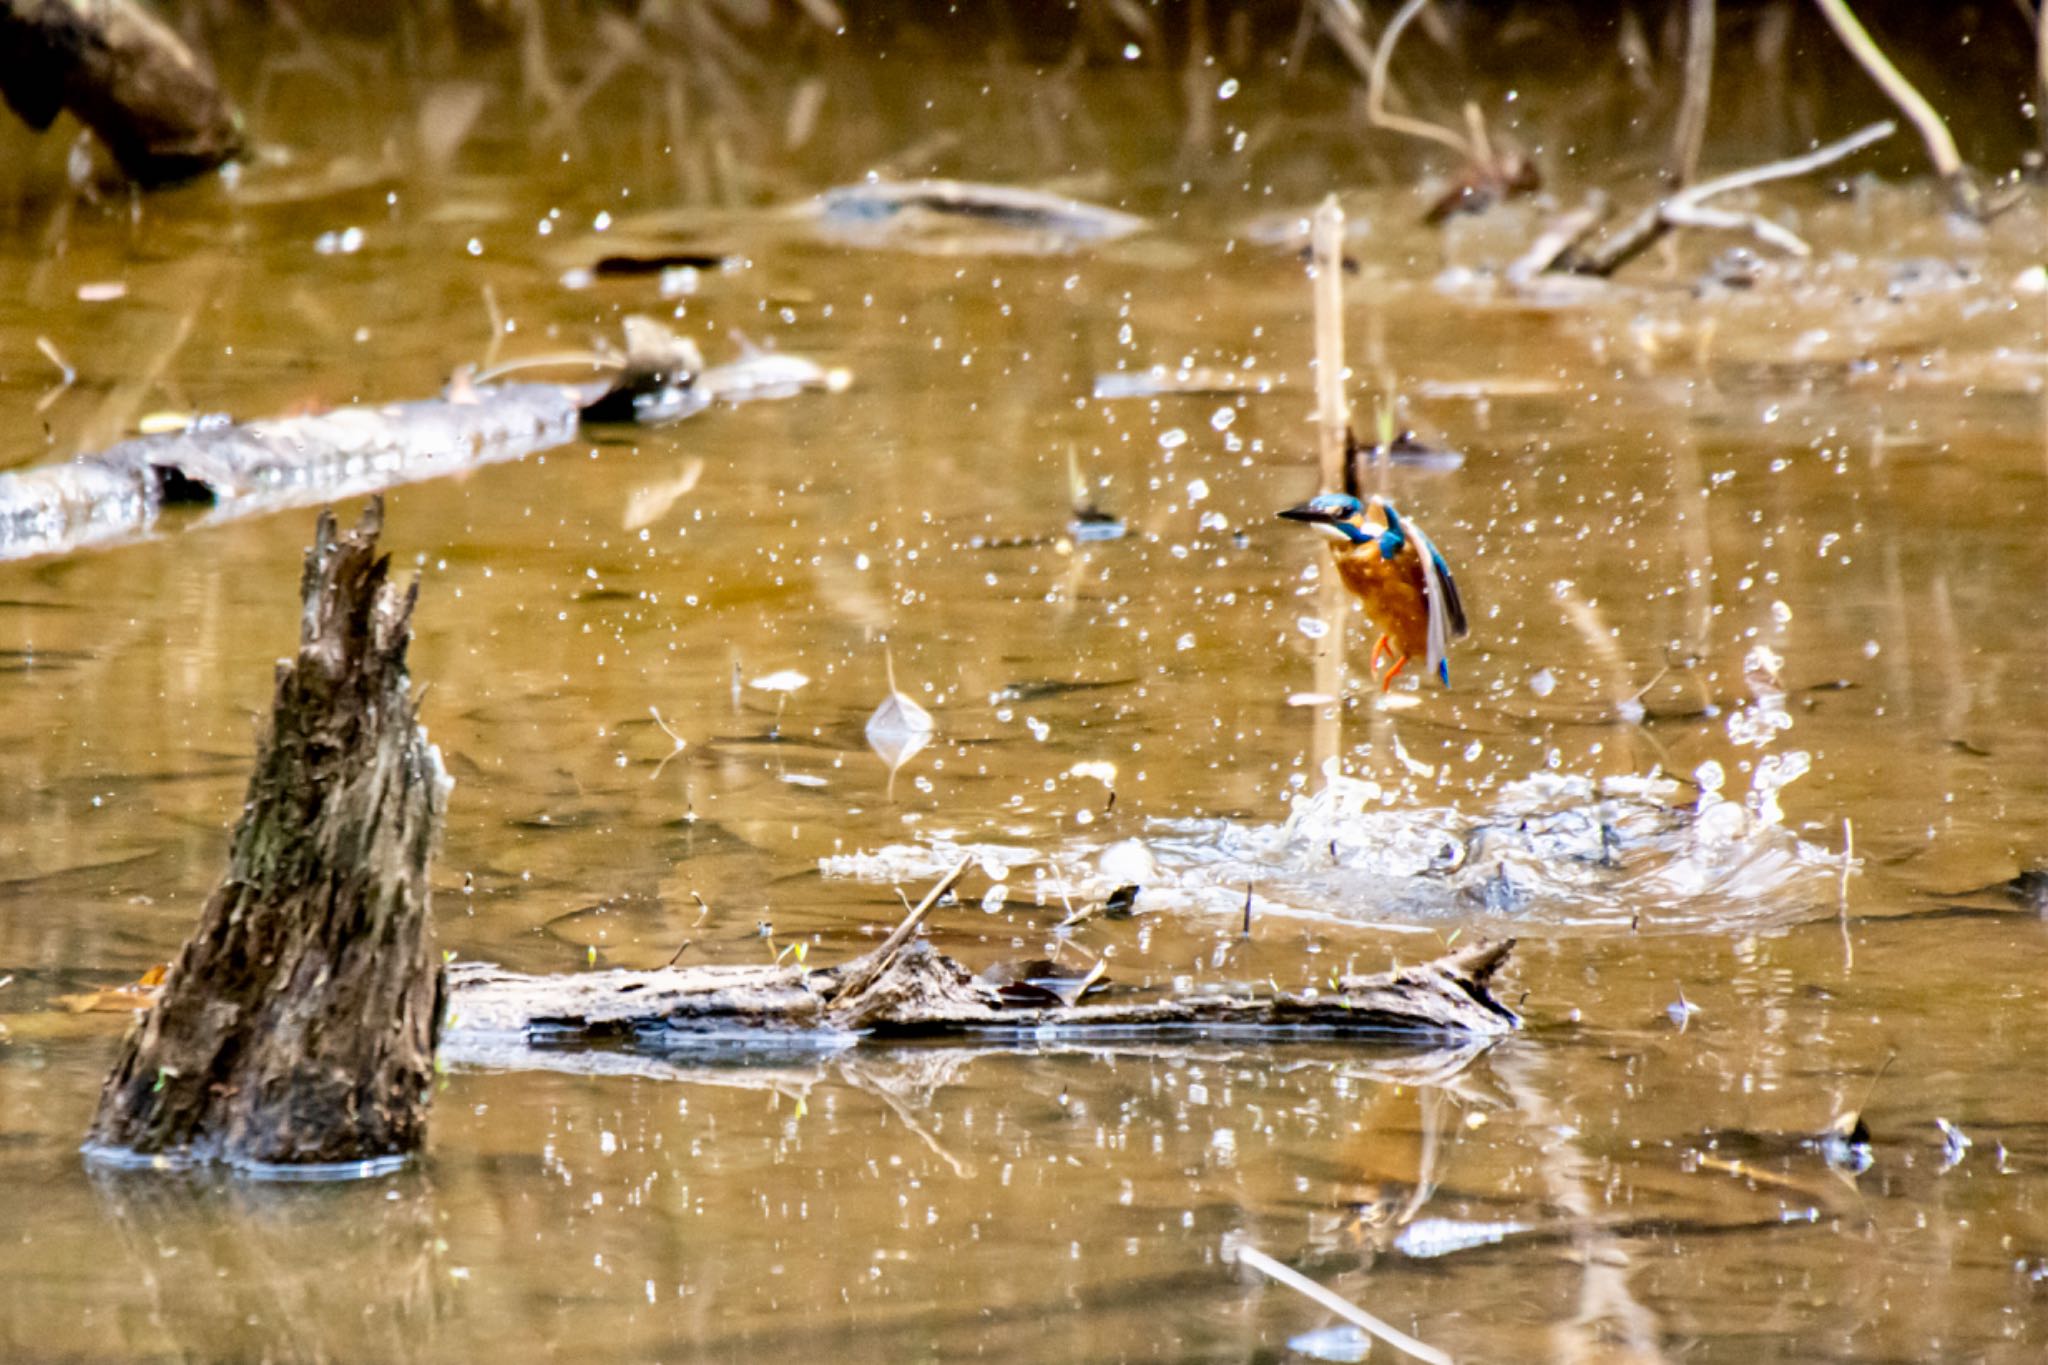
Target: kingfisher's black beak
<point>1309,513</point>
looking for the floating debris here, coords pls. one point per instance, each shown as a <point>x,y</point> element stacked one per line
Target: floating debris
<point>952,217</point>
<point>1403,448</point>
<point>1955,1144</point>
<point>657,380</point>
<point>1427,1238</point>
<point>783,681</point>
<point>657,263</point>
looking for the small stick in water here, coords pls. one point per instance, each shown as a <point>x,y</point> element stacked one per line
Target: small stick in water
<point>1343,1308</point>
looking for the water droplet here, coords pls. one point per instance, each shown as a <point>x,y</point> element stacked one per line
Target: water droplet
<point>1221,419</point>
<point>1173,440</point>
<point>1227,89</point>
<point>1315,628</point>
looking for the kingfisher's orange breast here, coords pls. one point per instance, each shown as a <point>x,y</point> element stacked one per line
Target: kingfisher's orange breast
<point>1391,592</point>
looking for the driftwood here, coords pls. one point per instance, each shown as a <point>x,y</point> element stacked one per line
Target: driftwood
<point>297,1025</point>
<point>1688,209</point>
<point>126,76</point>
<point>264,466</point>
<point>907,989</point>
<point>247,468</point>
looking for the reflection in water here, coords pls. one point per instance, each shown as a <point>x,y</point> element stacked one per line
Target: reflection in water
<point>235,1269</point>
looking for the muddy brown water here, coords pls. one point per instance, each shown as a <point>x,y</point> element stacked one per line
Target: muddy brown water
<point>1843,463</point>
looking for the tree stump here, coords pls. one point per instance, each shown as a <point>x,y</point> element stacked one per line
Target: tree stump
<point>297,1026</point>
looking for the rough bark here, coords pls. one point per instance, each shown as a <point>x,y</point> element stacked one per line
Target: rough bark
<point>298,1024</point>
<point>126,76</point>
<point>914,991</point>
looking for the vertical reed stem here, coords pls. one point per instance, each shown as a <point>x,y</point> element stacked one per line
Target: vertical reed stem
<point>1333,420</point>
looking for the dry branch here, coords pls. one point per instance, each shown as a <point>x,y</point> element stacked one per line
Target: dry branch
<point>297,1026</point>
<point>916,991</point>
<point>264,466</point>
<point>1688,207</point>
<point>126,76</point>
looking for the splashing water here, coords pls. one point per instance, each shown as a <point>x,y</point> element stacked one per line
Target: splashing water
<point>1554,848</point>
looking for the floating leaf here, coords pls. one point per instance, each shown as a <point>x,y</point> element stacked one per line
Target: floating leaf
<point>899,727</point>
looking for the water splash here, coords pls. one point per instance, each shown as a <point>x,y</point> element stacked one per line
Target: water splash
<point>1553,848</point>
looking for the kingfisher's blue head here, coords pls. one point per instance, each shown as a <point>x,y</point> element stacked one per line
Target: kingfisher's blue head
<point>1339,516</point>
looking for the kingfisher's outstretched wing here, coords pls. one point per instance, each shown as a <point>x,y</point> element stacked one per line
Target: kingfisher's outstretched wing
<point>1446,609</point>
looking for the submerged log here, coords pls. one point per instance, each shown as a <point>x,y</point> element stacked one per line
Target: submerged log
<point>126,75</point>
<point>297,1025</point>
<point>910,990</point>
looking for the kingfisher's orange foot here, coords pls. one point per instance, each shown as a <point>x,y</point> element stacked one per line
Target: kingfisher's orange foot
<point>1379,650</point>
<point>1393,673</point>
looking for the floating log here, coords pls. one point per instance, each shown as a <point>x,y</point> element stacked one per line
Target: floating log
<point>297,1026</point>
<point>126,75</point>
<point>241,469</point>
<point>905,990</point>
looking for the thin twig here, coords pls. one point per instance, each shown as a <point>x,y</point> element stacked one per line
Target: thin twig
<point>875,963</point>
<point>1343,1308</point>
<point>1564,233</point>
<point>1376,91</point>
<point>497,326</point>
<point>1842,904</point>
<point>1941,144</point>
<point>68,375</point>
<point>1691,132</point>
<point>674,738</point>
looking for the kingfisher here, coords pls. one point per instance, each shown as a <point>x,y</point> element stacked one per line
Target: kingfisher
<point>1396,574</point>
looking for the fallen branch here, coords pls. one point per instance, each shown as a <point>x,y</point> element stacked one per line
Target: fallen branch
<point>248,468</point>
<point>1688,207</point>
<point>264,466</point>
<point>905,988</point>
<point>297,1026</point>
<point>126,76</point>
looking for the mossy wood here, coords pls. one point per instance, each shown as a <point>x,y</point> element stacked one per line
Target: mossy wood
<point>298,1024</point>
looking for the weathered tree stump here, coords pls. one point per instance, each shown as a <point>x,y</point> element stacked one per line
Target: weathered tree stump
<point>126,75</point>
<point>297,1026</point>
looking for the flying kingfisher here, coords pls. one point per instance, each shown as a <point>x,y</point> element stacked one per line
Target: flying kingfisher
<point>1392,569</point>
